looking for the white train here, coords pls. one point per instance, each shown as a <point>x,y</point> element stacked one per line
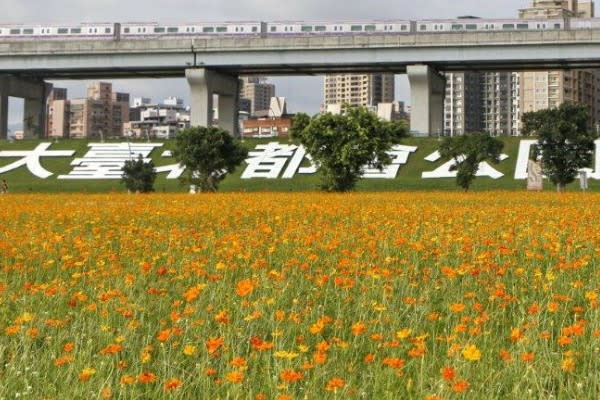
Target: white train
<point>118,31</point>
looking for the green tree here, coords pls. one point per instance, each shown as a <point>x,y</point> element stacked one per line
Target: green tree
<point>208,154</point>
<point>139,176</point>
<point>468,151</point>
<point>564,141</point>
<point>344,144</point>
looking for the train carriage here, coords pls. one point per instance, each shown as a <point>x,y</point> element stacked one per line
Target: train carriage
<point>332,28</point>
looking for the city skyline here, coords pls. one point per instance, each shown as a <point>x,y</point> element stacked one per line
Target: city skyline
<point>303,93</point>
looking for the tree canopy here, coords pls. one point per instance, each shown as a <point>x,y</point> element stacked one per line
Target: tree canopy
<point>565,143</point>
<point>343,145</point>
<point>208,154</point>
<point>139,176</point>
<point>468,151</point>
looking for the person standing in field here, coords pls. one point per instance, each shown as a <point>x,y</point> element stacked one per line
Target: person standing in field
<point>4,187</point>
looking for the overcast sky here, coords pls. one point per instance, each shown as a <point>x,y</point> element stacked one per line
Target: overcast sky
<point>303,93</point>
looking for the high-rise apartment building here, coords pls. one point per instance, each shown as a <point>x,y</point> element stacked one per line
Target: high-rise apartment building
<point>548,89</point>
<point>505,96</point>
<point>358,89</point>
<point>258,92</point>
<point>462,103</point>
<point>500,103</point>
<point>102,113</point>
<point>57,113</point>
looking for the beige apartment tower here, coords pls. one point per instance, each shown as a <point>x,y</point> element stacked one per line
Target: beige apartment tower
<point>101,114</point>
<point>358,89</point>
<point>258,92</point>
<point>549,89</point>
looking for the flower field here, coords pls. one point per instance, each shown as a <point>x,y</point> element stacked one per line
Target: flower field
<point>300,296</point>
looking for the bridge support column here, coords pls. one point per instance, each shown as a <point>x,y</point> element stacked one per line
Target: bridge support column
<point>428,89</point>
<point>204,84</point>
<point>34,115</point>
<point>35,93</point>
<point>4,107</point>
<point>3,113</point>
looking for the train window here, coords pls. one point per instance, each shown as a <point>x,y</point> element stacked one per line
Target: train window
<point>471,27</point>
<point>242,29</point>
<point>107,30</point>
<point>423,27</point>
<point>126,30</point>
<point>403,28</point>
<point>508,26</point>
<point>369,28</point>
<point>76,30</point>
<point>221,29</point>
<point>254,29</point>
<point>557,26</point>
<point>306,28</point>
<point>320,28</point>
<point>356,28</point>
<point>522,26</point>
<point>28,31</point>
<point>172,29</point>
<point>62,31</point>
<point>457,27</point>
<point>15,31</point>
<point>159,29</point>
<point>208,29</point>
<point>273,29</point>
<point>237,29</point>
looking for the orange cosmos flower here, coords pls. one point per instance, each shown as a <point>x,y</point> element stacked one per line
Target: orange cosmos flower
<point>244,287</point>
<point>460,386</point>
<point>146,377</point>
<point>358,328</point>
<point>516,334</point>
<point>213,344</point>
<point>457,307</point>
<point>448,373</point>
<point>60,361</point>
<point>163,335</point>
<point>235,377</point>
<point>334,384</point>
<point>505,355</point>
<point>369,358</point>
<point>86,374</point>
<point>320,357</point>
<point>68,347</point>
<point>393,362</point>
<point>291,376</point>
<point>568,364</point>
<point>528,357</point>
<point>238,362</point>
<point>127,380</point>
<point>111,349</point>
<point>172,384</point>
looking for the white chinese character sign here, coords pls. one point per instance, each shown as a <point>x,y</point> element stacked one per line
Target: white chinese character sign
<point>273,160</point>
<point>106,160</point>
<point>31,159</point>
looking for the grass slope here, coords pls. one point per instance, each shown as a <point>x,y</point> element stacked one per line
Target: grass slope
<point>408,179</point>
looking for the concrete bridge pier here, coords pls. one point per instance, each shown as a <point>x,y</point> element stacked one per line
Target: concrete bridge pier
<point>3,115</point>
<point>428,89</point>
<point>35,93</point>
<point>205,83</point>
